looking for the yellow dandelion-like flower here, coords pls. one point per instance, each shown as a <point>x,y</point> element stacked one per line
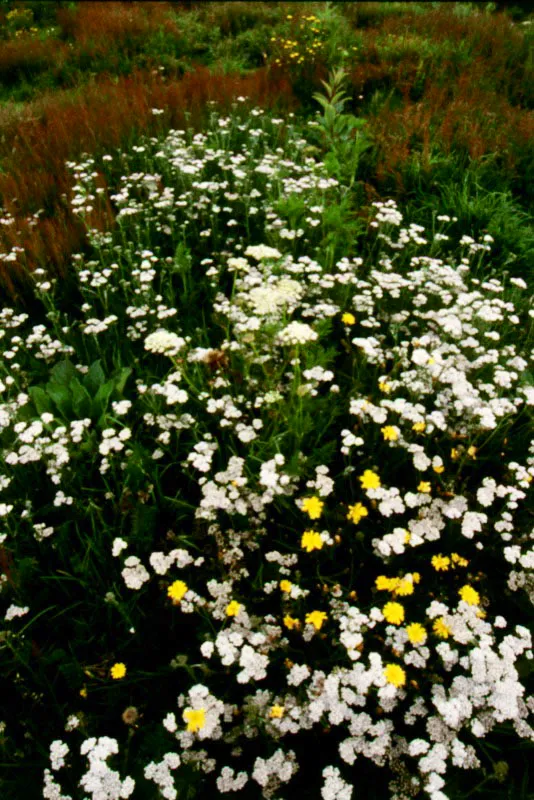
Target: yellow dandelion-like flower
<point>233,608</point>
<point>416,633</point>
<point>290,622</point>
<point>348,318</point>
<point>469,595</point>
<point>416,577</point>
<point>177,591</point>
<point>395,675</point>
<point>424,487</point>
<point>454,454</point>
<point>441,563</point>
<point>472,451</point>
<point>441,628</point>
<point>276,712</point>
<point>393,613</point>
<point>311,540</point>
<point>316,618</point>
<point>313,507</point>
<point>385,387</point>
<point>286,586</point>
<point>383,583</point>
<point>404,587</point>
<point>459,561</point>
<point>357,512</point>
<point>370,480</point>
<point>195,718</point>
<point>390,433</point>
<point>419,427</point>
<point>118,671</point>
<point>438,469</point>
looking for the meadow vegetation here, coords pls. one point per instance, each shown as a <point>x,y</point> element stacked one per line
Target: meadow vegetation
<point>266,395</point>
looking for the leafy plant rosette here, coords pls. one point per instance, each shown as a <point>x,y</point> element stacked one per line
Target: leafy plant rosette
<point>264,503</point>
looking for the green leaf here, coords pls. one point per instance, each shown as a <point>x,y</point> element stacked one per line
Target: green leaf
<point>81,399</point>
<point>94,377</point>
<point>121,378</point>
<point>41,400</point>
<point>101,399</point>
<point>63,373</point>
<point>61,397</point>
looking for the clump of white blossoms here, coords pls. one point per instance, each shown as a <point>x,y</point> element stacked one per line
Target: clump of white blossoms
<point>164,342</point>
<point>297,333</point>
<point>262,251</point>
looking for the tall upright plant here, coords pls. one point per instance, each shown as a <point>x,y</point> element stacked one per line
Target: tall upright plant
<point>343,134</point>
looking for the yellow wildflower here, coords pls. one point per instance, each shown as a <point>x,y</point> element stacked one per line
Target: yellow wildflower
<point>393,613</point>
<point>313,507</point>
<point>83,692</point>
<point>177,591</point>
<point>459,561</point>
<point>316,618</point>
<point>348,318</point>
<point>290,622</point>
<point>424,486</point>
<point>195,718</point>
<point>419,427</point>
<point>286,586</point>
<point>404,587</point>
<point>390,433</point>
<point>277,712</point>
<point>395,675</point>
<point>370,480</point>
<point>118,671</point>
<point>407,537</point>
<point>469,595</point>
<point>439,468</point>
<point>472,451</point>
<point>385,387</point>
<point>357,512</point>
<point>311,540</point>
<point>441,629</point>
<point>416,577</point>
<point>416,633</point>
<point>440,563</point>
<point>233,608</point>
<point>454,454</point>
<point>387,584</point>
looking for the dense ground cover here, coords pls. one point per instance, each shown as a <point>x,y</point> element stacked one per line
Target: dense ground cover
<point>265,402</point>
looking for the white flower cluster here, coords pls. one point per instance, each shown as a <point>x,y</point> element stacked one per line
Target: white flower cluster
<point>164,342</point>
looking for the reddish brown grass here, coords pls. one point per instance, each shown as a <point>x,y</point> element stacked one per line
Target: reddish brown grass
<point>25,57</point>
<point>109,114</point>
<point>116,23</point>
